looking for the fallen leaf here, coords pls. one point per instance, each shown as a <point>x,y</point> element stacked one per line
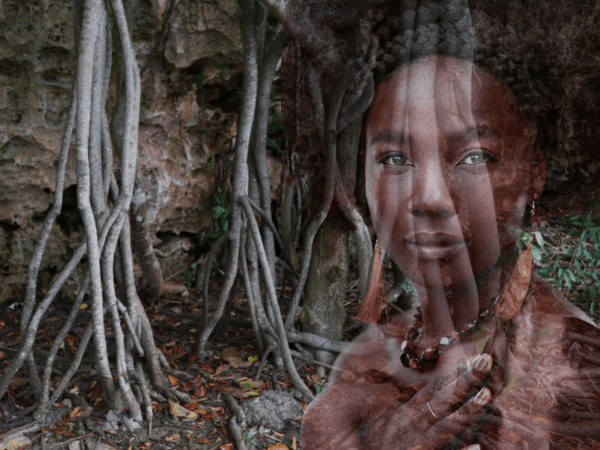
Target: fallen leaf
<point>233,357</point>
<point>251,384</point>
<point>277,435</point>
<point>177,410</point>
<point>172,438</point>
<point>203,441</point>
<point>173,380</point>
<point>191,406</point>
<point>278,446</point>
<point>293,442</point>
<point>226,446</point>
<point>199,391</point>
<point>76,412</point>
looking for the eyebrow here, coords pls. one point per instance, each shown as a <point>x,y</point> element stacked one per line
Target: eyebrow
<point>456,138</point>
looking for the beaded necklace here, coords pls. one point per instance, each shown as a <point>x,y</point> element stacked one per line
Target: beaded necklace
<point>430,355</point>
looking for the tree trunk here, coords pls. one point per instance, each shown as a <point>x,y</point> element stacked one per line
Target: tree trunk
<point>323,312</point>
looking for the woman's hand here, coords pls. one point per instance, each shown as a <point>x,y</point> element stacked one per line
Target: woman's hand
<point>430,419</point>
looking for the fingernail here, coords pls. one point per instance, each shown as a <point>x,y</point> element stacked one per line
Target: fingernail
<point>482,397</point>
<point>482,363</point>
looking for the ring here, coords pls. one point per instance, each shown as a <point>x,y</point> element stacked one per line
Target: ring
<point>431,411</point>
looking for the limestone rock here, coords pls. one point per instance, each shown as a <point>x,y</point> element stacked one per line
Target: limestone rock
<point>272,408</point>
<point>37,68</point>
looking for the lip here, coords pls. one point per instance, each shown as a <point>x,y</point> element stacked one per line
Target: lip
<point>432,246</point>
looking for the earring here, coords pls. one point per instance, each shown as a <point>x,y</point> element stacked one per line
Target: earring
<point>370,310</point>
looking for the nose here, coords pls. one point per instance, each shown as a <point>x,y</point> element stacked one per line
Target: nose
<point>431,195</point>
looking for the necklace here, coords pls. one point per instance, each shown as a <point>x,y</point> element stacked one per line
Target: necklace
<point>429,356</point>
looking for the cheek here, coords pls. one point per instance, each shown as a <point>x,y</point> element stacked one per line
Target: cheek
<point>388,203</point>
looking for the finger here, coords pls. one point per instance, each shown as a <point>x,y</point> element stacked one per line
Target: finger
<point>446,429</point>
<point>446,378</point>
<point>452,394</point>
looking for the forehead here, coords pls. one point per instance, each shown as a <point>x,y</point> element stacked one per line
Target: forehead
<point>449,91</point>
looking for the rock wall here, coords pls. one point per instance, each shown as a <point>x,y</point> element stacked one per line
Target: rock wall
<point>182,124</point>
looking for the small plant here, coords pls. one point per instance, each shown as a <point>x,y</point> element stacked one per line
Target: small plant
<point>249,437</point>
<point>584,259</point>
<point>219,211</point>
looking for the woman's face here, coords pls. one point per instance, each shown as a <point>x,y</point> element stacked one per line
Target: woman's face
<point>448,170</point>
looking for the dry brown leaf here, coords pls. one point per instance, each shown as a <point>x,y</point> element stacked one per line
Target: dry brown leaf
<point>172,438</point>
<point>177,410</point>
<point>278,435</point>
<point>173,380</point>
<point>515,289</point>
<point>226,446</point>
<point>76,412</point>
<point>250,383</point>
<point>219,369</point>
<point>191,406</point>
<point>278,446</point>
<point>233,357</point>
<point>293,442</point>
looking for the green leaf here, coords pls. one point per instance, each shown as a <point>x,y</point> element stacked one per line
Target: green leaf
<point>570,275</point>
<point>225,226</point>
<point>237,52</point>
<point>222,66</point>
<point>585,234</point>
<point>275,126</point>
<point>215,235</point>
<point>536,253</point>
<point>218,211</point>
<point>271,143</point>
<point>200,80</point>
<point>194,265</point>
<point>241,94</point>
<point>188,273</point>
<point>277,116</point>
<point>178,263</point>
<point>200,208</point>
<point>201,94</point>
<point>202,132</point>
<point>539,238</point>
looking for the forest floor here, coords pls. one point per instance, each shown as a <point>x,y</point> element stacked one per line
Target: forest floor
<point>230,370</point>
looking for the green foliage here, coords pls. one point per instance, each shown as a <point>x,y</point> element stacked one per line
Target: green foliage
<point>582,269</point>
<point>219,211</point>
<point>320,385</point>
<point>249,437</point>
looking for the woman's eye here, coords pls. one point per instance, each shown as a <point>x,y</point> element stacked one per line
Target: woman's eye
<point>477,157</point>
<point>395,159</point>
